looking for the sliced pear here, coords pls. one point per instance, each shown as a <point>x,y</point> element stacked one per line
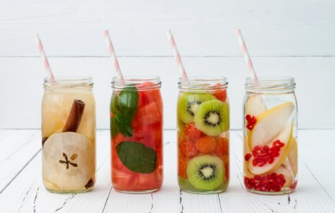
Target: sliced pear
<point>283,136</point>
<point>68,160</point>
<point>293,155</point>
<point>255,106</point>
<point>247,173</point>
<point>269,124</point>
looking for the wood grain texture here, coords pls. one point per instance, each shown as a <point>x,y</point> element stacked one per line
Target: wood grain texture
<point>201,28</point>
<point>22,90</point>
<point>315,192</point>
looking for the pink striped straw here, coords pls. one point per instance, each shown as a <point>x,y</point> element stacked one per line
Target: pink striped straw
<point>247,57</point>
<point>176,55</point>
<point>44,58</point>
<point>113,56</point>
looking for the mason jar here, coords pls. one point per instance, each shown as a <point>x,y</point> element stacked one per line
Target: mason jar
<point>68,135</point>
<point>136,115</point>
<point>203,135</point>
<point>270,136</point>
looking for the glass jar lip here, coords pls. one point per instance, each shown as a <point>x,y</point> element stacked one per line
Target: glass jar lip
<point>203,82</point>
<point>69,81</point>
<point>271,83</point>
<point>130,81</point>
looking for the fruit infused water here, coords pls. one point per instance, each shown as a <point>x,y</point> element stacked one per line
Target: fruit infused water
<point>270,136</point>
<point>68,135</point>
<point>203,135</point>
<point>136,113</point>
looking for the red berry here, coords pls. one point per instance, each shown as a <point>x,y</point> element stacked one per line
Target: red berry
<point>188,149</point>
<point>192,132</point>
<point>182,166</point>
<point>222,147</point>
<point>206,144</point>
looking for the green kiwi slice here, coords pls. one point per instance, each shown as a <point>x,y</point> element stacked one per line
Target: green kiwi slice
<point>205,172</point>
<point>212,117</point>
<point>189,103</point>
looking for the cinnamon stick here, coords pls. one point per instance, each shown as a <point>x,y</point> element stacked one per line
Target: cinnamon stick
<point>74,118</point>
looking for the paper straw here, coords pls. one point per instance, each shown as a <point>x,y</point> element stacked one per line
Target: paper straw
<point>44,58</point>
<point>177,56</point>
<point>113,56</point>
<point>247,57</point>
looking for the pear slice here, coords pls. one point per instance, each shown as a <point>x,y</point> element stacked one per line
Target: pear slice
<point>68,160</point>
<point>293,155</point>
<point>255,106</point>
<point>246,151</point>
<point>284,137</point>
<point>269,124</point>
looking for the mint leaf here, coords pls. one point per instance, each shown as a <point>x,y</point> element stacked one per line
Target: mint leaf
<point>114,128</point>
<point>137,157</point>
<point>114,104</point>
<point>122,123</point>
<point>128,102</point>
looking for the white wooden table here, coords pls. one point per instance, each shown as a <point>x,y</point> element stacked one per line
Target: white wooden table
<point>21,188</point>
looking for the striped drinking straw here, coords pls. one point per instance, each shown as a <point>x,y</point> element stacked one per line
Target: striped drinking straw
<point>247,57</point>
<point>44,58</point>
<point>113,56</point>
<point>177,56</point>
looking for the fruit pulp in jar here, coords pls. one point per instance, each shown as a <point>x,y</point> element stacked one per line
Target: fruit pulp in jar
<point>270,146</point>
<point>68,140</point>
<point>137,154</point>
<point>203,141</point>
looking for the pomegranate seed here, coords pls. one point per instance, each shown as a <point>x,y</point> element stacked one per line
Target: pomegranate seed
<point>268,187</point>
<point>293,185</point>
<point>266,148</point>
<point>281,176</point>
<point>274,176</point>
<point>248,117</point>
<point>261,163</point>
<point>282,182</point>
<point>276,188</point>
<point>254,162</point>
<point>256,148</point>
<point>275,154</point>
<point>257,177</point>
<point>247,157</point>
<point>270,160</point>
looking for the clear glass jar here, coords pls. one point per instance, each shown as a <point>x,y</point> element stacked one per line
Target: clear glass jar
<point>203,135</point>
<point>68,135</point>
<point>270,136</point>
<point>136,114</point>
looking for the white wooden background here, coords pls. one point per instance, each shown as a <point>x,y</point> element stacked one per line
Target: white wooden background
<point>288,37</point>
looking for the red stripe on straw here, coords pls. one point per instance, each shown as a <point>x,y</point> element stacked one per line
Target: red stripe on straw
<point>44,58</point>
<point>177,55</point>
<point>113,56</point>
<point>247,57</point>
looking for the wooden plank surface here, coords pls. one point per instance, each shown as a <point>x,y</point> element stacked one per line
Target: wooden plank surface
<point>21,84</point>
<point>315,192</point>
<point>201,28</point>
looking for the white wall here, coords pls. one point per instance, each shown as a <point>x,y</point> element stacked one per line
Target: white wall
<point>291,38</point>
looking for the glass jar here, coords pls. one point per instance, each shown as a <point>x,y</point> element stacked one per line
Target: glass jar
<point>68,135</point>
<point>270,136</point>
<point>203,135</point>
<point>136,114</point>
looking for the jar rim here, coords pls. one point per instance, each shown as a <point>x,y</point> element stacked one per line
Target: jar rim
<point>69,81</point>
<point>130,81</point>
<point>272,83</point>
<point>203,82</point>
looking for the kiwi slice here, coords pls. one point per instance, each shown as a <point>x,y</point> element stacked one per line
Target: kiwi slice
<point>189,103</point>
<point>205,172</point>
<point>212,117</point>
